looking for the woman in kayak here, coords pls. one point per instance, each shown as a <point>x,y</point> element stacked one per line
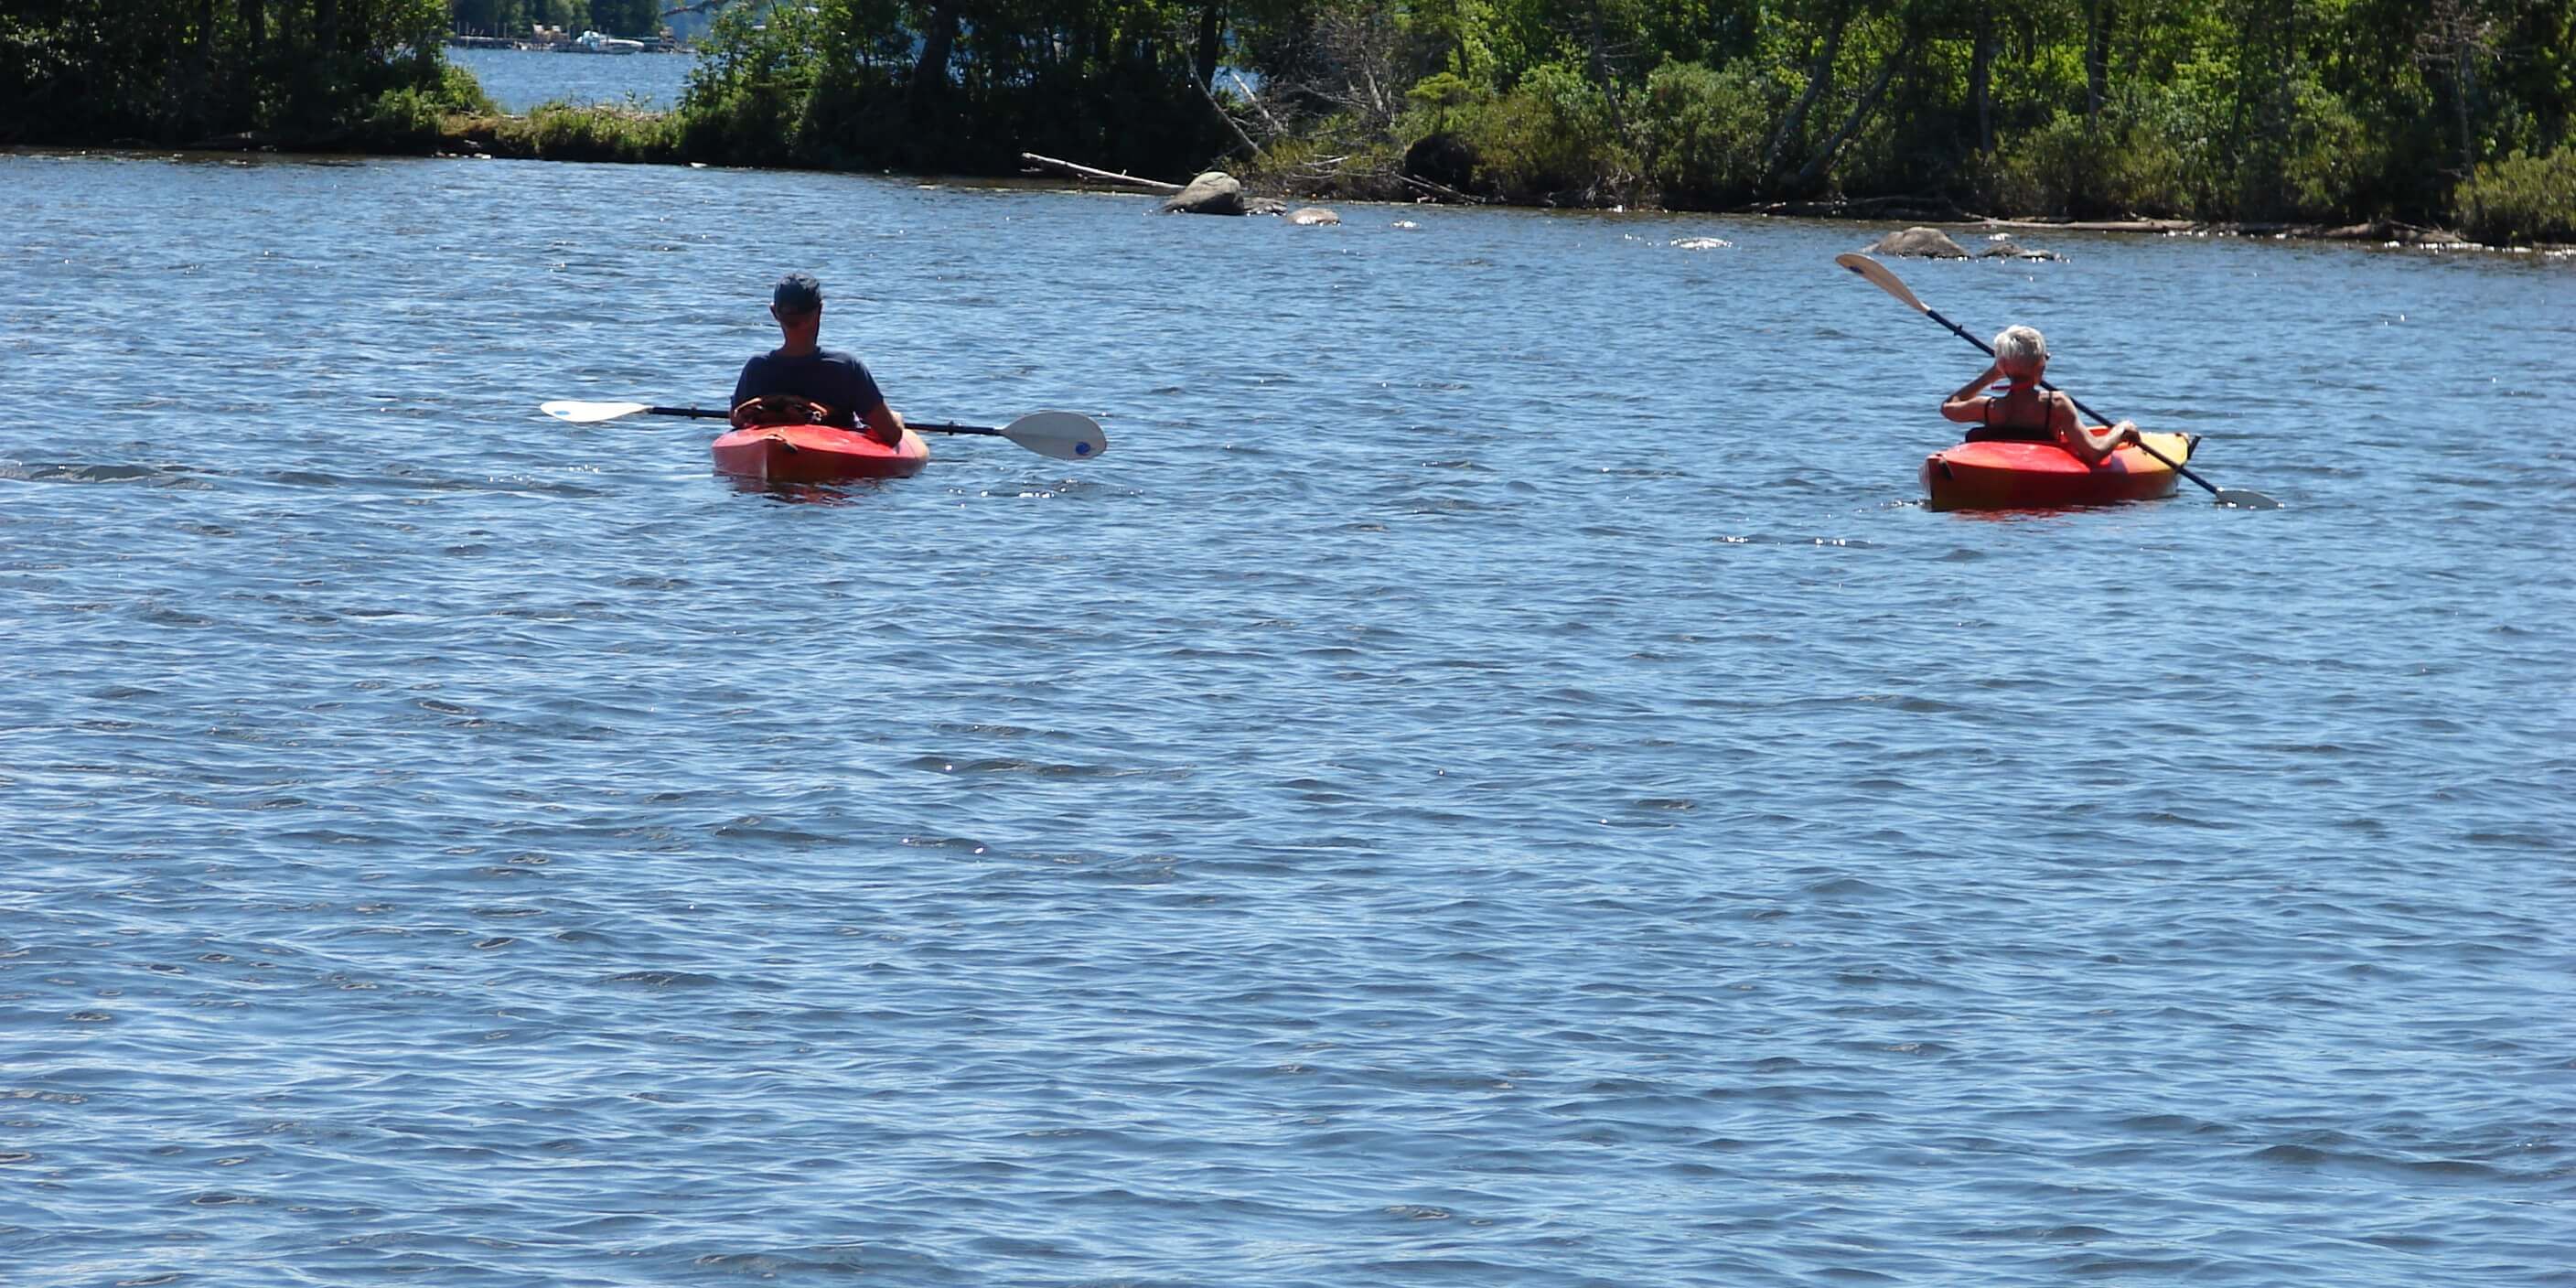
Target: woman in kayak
<point>2027,413</point>
<point>801,369</point>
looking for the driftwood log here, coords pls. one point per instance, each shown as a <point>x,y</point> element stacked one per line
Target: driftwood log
<point>2095,225</point>
<point>1103,176</point>
<point>1440,190</point>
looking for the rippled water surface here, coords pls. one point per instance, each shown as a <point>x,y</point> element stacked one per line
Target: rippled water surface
<point>1495,779</point>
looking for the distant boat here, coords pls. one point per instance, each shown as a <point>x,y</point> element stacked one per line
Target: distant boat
<point>591,42</point>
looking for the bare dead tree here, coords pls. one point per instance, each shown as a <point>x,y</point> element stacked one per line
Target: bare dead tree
<point>1822,162</point>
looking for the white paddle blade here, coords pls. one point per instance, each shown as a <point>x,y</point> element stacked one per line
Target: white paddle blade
<point>584,413</point>
<point>1881,278</point>
<point>1064,435</point>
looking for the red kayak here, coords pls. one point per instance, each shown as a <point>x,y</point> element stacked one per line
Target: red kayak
<point>816,454</point>
<point>2044,476</point>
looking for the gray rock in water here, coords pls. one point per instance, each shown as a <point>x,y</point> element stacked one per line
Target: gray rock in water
<point>1213,193</point>
<point>1264,206</point>
<point>1921,243</point>
<point>2007,248</point>
<point>1313,217</point>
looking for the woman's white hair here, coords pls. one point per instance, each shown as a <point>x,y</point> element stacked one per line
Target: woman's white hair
<point>2019,349</point>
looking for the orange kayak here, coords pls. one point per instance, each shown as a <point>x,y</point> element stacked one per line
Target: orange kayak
<point>2044,476</point>
<point>816,454</point>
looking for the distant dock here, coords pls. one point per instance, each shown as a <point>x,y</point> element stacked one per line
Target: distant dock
<point>555,43</point>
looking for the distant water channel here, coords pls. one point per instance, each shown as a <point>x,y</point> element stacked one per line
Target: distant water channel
<point>519,79</point>
<point>1494,780</point>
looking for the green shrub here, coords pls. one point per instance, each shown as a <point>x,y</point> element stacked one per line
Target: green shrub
<point>459,92</point>
<point>404,120</point>
<point>1550,135</point>
<point>2127,161</point>
<point>2521,198</point>
<point>2319,167</point>
<point>747,97</point>
<point>1704,131</point>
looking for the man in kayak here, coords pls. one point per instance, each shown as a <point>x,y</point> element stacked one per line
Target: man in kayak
<point>2027,413</point>
<point>837,384</point>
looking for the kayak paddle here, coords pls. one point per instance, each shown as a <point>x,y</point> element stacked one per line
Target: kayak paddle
<point>1884,280</point>
<point>1065,435</point>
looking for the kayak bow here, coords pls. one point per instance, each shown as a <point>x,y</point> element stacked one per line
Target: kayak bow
<point>816,454</point>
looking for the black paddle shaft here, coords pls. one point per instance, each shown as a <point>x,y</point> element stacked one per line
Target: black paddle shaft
<point>703,413</point>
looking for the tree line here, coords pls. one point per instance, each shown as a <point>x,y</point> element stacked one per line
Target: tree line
<point>174,72</point>
<point>2459,112</point>
<point>2426,111</point>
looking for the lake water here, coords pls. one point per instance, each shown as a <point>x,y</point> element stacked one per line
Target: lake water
<point>519,79</point>
<point>1494,779</point>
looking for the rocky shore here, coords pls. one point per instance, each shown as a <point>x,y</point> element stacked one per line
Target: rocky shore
<point>620,134</point>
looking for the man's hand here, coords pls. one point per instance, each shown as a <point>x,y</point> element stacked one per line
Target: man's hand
<point>885,425</point>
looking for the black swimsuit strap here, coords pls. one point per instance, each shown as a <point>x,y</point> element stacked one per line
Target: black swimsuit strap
<point>1988,432</point>
<point>2047,425</point>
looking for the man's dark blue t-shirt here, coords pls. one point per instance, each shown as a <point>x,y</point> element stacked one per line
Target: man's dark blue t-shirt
<point>834,379</point>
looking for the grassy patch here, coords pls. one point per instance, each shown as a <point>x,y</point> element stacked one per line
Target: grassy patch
<point>561,132</point>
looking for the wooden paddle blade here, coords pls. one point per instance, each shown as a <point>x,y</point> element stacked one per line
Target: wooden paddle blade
<point>1064,435</point>
<point>1880,277</point>
<point>586,413</point>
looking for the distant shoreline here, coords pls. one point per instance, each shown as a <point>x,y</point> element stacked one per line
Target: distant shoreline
<point>534,45</point>
<point>610,137</point>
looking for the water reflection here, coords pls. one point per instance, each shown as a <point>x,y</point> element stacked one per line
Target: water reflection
<point>848,493</point>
